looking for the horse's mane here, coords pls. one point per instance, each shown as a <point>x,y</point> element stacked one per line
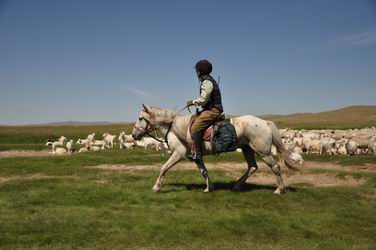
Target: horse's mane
<point>164,114</point>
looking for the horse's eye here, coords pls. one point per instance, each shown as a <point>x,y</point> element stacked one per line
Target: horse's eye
<point>140,119</point>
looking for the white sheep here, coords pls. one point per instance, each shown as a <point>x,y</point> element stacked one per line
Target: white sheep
<point>127,145</point>
<point>85,142</point>
<point>109,139</point>
<point>69,146</point>
<point>90,138</point>
<point>59,151</point>
<point>99,143</point>
<point>54,144</point>
<point>83,150</point>
<point>94,148</point>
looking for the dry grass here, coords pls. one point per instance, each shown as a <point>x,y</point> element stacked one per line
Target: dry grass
<point>349,117</point>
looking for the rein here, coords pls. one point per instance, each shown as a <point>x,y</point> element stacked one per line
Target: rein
<point>168,129</point>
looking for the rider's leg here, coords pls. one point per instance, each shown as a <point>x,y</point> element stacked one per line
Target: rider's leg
<point>203,121</point>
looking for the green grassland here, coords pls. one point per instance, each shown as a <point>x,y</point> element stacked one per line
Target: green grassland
<point>60,203</point>
<point>35,137</point>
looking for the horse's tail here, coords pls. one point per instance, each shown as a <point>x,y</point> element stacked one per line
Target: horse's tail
<point>277,142</point>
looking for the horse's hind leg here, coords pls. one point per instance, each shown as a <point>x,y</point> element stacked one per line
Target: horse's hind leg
<point>274,166</point>
<point>204,172</point>
<point>249,156</point>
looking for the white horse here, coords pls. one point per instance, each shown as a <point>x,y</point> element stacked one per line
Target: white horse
<point>254,136</point>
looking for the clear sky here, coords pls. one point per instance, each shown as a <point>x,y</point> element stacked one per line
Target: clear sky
<point>86,60</point>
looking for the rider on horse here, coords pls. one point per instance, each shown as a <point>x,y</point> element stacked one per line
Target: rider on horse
<point>211,102</point>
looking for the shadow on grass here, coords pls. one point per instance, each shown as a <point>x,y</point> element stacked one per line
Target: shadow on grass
<point>247,187</point>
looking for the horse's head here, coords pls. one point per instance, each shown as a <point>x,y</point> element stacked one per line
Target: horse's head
<point>145,123</point>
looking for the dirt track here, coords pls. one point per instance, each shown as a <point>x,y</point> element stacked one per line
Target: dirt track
<point>265,177</point>
<point>23,153</point>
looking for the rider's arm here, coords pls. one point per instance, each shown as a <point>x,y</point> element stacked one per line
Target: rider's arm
<point>205,91</point>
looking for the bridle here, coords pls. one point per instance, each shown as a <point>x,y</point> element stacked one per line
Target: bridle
<point>150,127</point>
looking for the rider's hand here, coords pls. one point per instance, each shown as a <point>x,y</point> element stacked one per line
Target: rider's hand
<point>189,103</point>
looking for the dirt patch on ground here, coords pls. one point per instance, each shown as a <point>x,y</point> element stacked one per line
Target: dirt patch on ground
<point>33,177</point>
<point>264,176</point>
<point>304,179</point>
<point>307,166</point>
<point>23,153</point>
<point>332,166</point>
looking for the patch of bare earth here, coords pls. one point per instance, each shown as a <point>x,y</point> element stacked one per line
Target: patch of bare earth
<point>265,177</point>
<point>32,177</point>
<point>23,153</point>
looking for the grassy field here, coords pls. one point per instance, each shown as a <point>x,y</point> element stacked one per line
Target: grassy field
<point>61,203</point>
<point>35,137</point>
<point>57,202</point>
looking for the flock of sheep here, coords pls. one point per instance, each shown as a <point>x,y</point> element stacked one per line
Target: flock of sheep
<point>64,146</point>
<point>331,142</point>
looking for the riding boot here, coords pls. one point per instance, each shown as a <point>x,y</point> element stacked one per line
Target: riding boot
<point>199,144</point>
<point>196,149</point>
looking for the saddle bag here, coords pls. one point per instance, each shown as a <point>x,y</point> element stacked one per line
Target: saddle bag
<point>224,137</point>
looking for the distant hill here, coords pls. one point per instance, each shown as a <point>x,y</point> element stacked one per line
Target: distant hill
<point>71,123</point>
<point>349,117</point>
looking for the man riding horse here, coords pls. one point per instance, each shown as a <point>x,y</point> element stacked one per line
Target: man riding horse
<point>211,102</point>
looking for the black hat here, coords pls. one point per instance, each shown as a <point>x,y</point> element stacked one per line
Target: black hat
<point>204,67</point>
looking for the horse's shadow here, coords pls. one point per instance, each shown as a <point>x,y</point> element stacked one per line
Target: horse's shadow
<point>246,187</point>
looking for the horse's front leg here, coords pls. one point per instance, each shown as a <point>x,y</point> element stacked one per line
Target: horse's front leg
<point>204,172</point>
<point>174,158</point>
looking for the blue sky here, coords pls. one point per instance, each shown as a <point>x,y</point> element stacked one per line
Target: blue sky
<point>99,60</point>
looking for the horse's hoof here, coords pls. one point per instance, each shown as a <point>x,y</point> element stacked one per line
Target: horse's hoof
<point>156,190</point>
<point>279,191</point>
<point>209,189</point>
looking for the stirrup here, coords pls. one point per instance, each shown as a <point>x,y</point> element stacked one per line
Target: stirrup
<point>192,156</point>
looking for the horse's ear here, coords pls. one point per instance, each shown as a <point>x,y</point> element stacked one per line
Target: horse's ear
<point>146,108</point>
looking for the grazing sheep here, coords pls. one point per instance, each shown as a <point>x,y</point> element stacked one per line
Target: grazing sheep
<point>151,142</point>
<point>100,143</point>
<point>90,138</point>
<point>109,139</point>
<point>59,151</point>
<point>141,143</point>
<point>127,145</point>
<point>327,145</point>
<point>62,139</point>
<point>83,150</point>
<point>94,148</point>
<point>69,146</point>
<point>85,142</point>
<point>55,144</point>
<point>124,138</point>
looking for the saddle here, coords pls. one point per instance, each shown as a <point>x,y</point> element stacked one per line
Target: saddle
<point>208,133</point>
<point>221,135</point>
